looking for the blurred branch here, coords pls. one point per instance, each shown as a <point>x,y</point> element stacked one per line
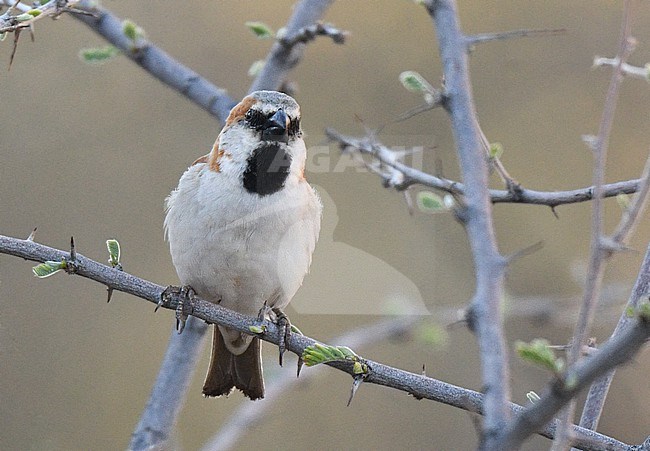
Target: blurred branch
<point>599,251</point>
<point>418,385</point>
<point>485,317</point>
<point>247,413</point>
<point>410,176</point>
<point>282,58</point>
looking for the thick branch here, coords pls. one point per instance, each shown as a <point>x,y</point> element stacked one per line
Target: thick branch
<point>415,384</point>
<point>418,385</point>
<point>158,63</point>
<point>485,316</point>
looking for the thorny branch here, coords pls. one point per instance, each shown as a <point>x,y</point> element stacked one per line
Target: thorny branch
<point>418,385</point>
<point>400,176</point>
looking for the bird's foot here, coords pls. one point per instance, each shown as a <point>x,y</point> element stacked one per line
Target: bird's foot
<point>185,306</point>
<point>283,323</point>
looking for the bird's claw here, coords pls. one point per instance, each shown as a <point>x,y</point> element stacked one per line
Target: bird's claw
<point>284,325</point>
<point>185,306</point>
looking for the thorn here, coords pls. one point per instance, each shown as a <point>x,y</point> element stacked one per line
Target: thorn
<point>13,51</point>
<point>73,251</point>
<point>424,369</point>
<point>32,235</point>
<point>110,294</point>
<point>300,363</point>
<point>525,251</point>
<point>555,212</point>
<point>356,383</point>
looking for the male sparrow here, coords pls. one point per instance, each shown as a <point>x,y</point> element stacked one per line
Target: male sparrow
<point>242,226</point>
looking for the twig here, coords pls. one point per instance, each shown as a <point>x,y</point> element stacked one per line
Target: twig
<point>525,33</point>
<point>310,32</point>
<point>485,311</point>
<point>627,69</point>
<point>418,385</point>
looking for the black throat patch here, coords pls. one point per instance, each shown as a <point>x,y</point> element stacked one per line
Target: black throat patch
<point>267,169</point>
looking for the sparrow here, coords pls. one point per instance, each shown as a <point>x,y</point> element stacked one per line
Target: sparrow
<point>242,226</point>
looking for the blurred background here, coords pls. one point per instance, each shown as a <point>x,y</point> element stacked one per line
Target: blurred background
<point>92,151</point>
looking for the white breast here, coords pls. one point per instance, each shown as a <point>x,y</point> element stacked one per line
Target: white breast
<point>241,248</point>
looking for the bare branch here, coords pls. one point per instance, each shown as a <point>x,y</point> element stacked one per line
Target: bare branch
<point>485,316</point>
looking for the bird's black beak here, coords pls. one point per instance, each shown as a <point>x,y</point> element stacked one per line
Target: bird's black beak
<point>275,128</point>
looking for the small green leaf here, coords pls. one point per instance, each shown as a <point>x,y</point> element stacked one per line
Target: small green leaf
<point>131,30</point>
<point>34,12</point>
<point>540,353</point>
<point>429,202</point>
<point>98,55</point>
<point>319,353</point>
<point>432,334</point>
<point>295,330</point>
<point>48,268</point>
<point>496,150</point>
<point>623,201</point>
<point>260,29</point>
<point>24,17</point>
<point>114,253</point>
<point>415,82</point>
<point>256,68</point>
<point>630,312</point>
<point>257,329</point>
<point>532,397</point>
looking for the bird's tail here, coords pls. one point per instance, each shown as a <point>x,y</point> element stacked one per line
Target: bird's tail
<point>228,370</point>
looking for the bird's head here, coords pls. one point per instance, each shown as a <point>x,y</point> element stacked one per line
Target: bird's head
<point>261,143</point>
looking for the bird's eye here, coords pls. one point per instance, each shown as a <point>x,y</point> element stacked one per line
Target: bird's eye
<point>255,118</point>
<point>294,127</point>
